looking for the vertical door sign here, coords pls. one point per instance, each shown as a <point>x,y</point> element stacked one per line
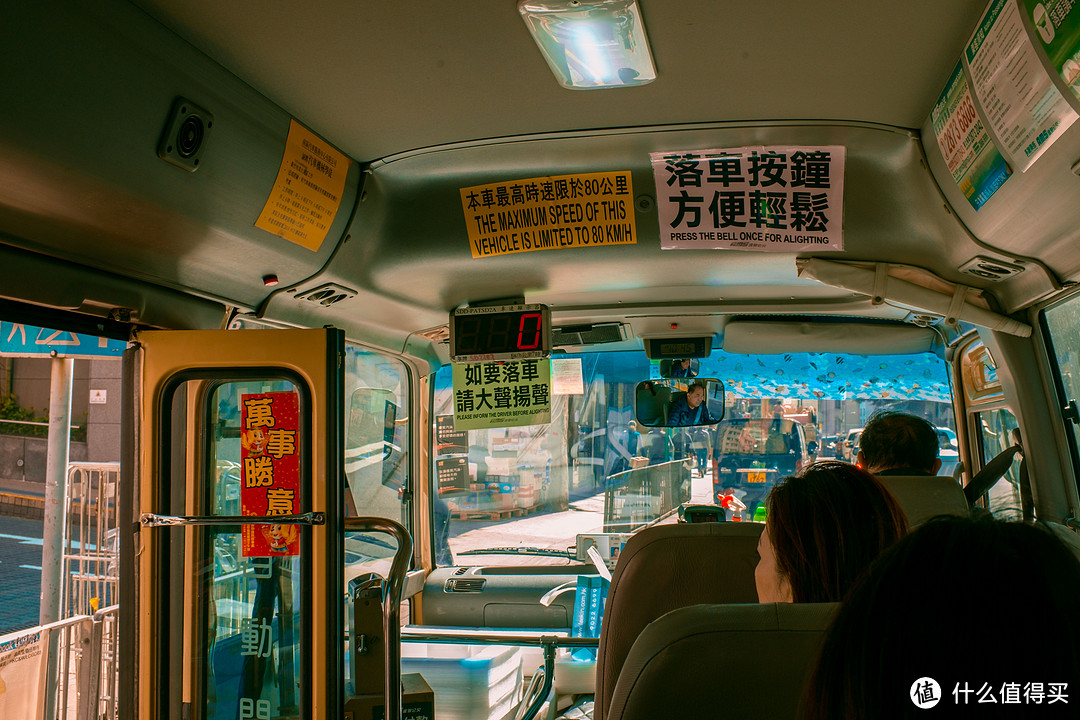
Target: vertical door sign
<point>270,471</point>
<point>308,189</point>
<point>776,198</point>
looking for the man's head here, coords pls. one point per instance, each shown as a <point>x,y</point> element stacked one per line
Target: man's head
<point>899,440</point>
<point>695,394</point>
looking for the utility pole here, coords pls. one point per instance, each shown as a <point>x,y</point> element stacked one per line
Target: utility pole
<point>52,549</point>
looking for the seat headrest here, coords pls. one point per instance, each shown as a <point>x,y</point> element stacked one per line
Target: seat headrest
<point>665,567</point>
<point>924,496</point>
<point>722,661</point>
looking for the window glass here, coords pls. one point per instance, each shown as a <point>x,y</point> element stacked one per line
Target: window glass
<point>539,494</point>
<point>1063,322</point>
<point>376,454</point>
<point>251,586</point>
<point>996,434</point>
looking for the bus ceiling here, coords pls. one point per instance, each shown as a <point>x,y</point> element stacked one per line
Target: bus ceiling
<point>154,140</point>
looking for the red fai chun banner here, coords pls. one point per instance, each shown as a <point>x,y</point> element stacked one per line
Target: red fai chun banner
<point>271,471</point>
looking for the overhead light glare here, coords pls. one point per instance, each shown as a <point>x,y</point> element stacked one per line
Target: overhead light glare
<point>591,44</point>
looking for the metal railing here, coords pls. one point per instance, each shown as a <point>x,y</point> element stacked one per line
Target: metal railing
<point>85,682</point>
<point>90,538</point>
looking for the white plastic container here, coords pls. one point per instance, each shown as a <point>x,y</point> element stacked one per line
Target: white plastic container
<point>471,682</point>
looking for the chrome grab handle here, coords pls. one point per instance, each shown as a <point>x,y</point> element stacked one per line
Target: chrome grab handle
<point>152,520</point>
<point>391,604</point>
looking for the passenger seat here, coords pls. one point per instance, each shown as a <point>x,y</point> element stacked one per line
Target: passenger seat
<point>925,496</point>
<point>738,662</point>
<point>665,567</point>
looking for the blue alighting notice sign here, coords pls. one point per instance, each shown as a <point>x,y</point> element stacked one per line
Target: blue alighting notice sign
<point>18,340</point>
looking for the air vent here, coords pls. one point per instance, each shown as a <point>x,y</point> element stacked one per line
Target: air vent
<point>326,295</point>
<point>465,584</point>
<point>587,334</point>
<point>440,334</point>
<point>461,571</point>
<point>922,319</point>
<point>990,269</point>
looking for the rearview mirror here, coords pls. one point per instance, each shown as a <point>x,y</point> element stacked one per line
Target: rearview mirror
<point>679,403</point>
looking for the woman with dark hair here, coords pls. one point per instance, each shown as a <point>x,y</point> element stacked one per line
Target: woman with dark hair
<point>973,615</point>
<point>824,526</point>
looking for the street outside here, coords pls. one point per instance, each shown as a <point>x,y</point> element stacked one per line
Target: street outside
<point>20,547</point>
<point>20,573</point>
<point>552,530</point>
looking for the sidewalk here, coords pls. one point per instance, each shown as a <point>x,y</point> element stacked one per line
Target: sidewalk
<point>20,498</point>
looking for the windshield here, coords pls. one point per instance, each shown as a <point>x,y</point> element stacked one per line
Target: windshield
<point>541,494</point>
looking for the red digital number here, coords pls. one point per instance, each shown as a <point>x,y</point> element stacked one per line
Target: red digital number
<point>534,343</point>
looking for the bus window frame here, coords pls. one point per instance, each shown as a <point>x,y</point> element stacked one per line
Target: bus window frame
<point>1070,435</point>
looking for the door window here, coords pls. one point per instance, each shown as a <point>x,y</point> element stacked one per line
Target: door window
<point>376,454</point>
<point>996,433</point>
<point>250,584</point>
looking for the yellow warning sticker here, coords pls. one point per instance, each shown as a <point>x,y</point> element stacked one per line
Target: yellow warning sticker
<point>550,213</point>
<point>307,192</point>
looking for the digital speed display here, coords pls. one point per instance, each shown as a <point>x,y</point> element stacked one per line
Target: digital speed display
<point>677,348</point>
<point>500,332</point>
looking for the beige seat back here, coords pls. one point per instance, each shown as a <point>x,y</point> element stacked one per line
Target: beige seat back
<point>924,496</point>
<point>738,662</point>
<point>665,567</point>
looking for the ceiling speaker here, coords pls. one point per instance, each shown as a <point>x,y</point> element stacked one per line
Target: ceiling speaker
<point>184,139</point>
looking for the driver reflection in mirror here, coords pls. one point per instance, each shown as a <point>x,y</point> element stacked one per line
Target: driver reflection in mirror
<point>690,409</point>
<point>683,369</point>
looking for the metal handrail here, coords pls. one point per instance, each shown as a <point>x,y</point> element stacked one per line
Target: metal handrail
<point>152,520</point>
<point>391,604</point>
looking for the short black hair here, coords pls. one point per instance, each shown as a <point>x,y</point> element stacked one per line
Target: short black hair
<point>894,439</point>
<point>932,606</point>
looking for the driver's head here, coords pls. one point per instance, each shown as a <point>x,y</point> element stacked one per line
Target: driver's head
<point>695,394</point>
<point>893,440</point>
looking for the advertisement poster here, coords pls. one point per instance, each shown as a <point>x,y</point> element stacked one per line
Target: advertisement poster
<point>776,199</point>
<point>1021,103</point>
<point>1057,23</point>
<point>550,213</point>
<point>973,159</point>
<point>502,394</point>
<point>20,675</point>
<point>270,469</point>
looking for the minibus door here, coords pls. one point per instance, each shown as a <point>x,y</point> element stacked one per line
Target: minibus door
<point>235,557</point>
